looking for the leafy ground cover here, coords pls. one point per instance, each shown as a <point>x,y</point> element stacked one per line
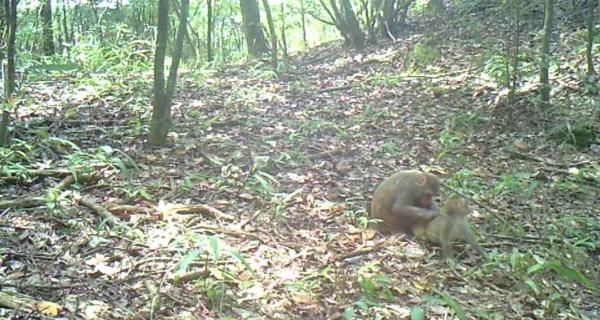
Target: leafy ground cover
<point>258,208</point>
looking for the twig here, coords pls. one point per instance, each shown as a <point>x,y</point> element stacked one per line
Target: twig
<point>363,250</point>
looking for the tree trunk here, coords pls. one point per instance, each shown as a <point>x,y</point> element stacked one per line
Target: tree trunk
<point>590,38</point>
<point>161,113</point>
<point>163,95</point>
<point>389,16</point>
<point>303,16</point>
<point>345,21</point>
<point>274,50</point>
<point>255,38</point>
<point>10,11</point>
<point>283,38</point>
<point>46,14</point>
<point>545,62</point>
<point>209,31</point>
<point>66,33</point>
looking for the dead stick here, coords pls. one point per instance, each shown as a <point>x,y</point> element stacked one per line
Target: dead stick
<point>101,211</point>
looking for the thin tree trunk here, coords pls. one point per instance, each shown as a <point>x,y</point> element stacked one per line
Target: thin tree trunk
<point>163,95</point>
<point>46,13</point>
<point>10,10</point>
<point>303,16</point>
<point>283,38</point>
<point>274,50</point>
<point>590,38</point>
<point>209,31</point>
<point>544,77</point>
<point>160,122</point>
<point>177,52</point>
<point>65,25</point>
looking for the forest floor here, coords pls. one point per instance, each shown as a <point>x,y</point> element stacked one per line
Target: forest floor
<point>257,209</point>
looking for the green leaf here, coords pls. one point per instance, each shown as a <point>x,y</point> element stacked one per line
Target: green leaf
<point>108,150</point>
<point>460,312</point>
<point>417,313</point>
<point>236,254</point>
<point>569,273</point>
<point>213,243</point>
<point>349,313</point>
<point>533,286</point>
<point>185,262</point>
<point>535,268</point>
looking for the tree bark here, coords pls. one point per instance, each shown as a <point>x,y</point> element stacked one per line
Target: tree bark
<point>163,95</point>
<point>274,49</point>
<point>590,38</point>
<point>10,11</point>
<point>255,38</point>
<point>209,31</point>
<point>545,61</point>
<point>161,113</point>
<point>284,45</point>
<point>345,21</point>
<point>303,16</point>
<point>46,13</point>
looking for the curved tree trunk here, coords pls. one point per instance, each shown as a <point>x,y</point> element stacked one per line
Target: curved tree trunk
<point>345,21</point>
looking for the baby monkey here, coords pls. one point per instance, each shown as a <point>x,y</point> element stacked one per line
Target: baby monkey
<point>447,228</point>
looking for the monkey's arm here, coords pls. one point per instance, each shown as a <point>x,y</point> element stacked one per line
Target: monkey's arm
<point>413,214</point>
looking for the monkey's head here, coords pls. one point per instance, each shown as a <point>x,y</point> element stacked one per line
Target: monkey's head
<point>456,205</point>
<point>426,188</point>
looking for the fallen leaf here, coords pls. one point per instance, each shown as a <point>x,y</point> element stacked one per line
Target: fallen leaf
<point>49,309</point>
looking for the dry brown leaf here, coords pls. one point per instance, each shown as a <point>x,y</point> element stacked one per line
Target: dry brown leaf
<point>47,308</point>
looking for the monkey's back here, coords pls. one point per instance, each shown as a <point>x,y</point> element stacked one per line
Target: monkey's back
<point>384,197</point>
<point>443,226</point>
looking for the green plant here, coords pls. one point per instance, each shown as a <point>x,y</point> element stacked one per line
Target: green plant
<point>53,200</point>
<point>363,218</point>
<point>424,53</point>
<point>219,293</point>
<point>465,179</point>
<point>516,184</point>
<point>581,134</point>
<point>497,68</point>
<point>264,183</point>
<point>444,298</point>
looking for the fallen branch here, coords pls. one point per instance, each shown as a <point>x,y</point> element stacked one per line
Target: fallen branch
<point>190,276</point>
<point>23,203</point>
<point>121,209</point>
<point>194,208</point>
<point>70,179</point>
<point>101,211</point>
<point>27,304</point>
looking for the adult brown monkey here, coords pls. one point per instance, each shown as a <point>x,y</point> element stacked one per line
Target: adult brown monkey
<point>405,200</point>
